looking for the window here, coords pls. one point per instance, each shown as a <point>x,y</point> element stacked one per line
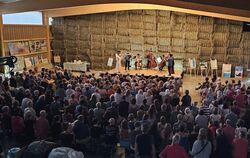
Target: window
<point>33,18</point>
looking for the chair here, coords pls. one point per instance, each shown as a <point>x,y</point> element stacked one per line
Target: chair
<point>192,66</point>
<point>203,67</point>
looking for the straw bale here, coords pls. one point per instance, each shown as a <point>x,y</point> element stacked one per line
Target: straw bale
<point>191,27</point>
<point>164,13</point>
<point>96,31</point>
<point>220,21</point>
<point>110,39</point>
<point>97,24</point>
<point>71,21</point>
<point>205,43</point>
<point>164,41</point>
<point>191,43</point>
<point>135,11</point>
<point>233,59</point>
<point>123,31</point>
<point>191,35</point>
<point>206,50</point>
<point>71,44</point>
<point>206,28</point>
<point>85,37</point>
<point>135,32</point>
<point>123,24</point>
<point>149,26</point>
<point>84,52</point>
<point>181,19</point>
<point>235,28</point>
<point>204,20</point>
<point>177,49</point>
<point>135,17</point>
<point>177,27</point>
<point>148,47</point>
<point>110,31</point>
<point>96,45</point>
<point>246,35</point>
<point>123,39</point>
<point>84,44</point>
<point>96,17</point>
<point>58,36</point>
<point>84,30</point>
<point>233,43</point>
<point>219,43</point>
<point>192,19</point>
<point>220,36</point>
<point>177,34</point>
<point>163,33</point>
<point>150,40</point>
<point>235,51</point>
<point>57,44</point>
<point>162,26</point>
<point>163,19</point>
<point>177,42</point>
<point>163,48</point>
<point>234,36</point>
<point>110,16</point>
<point>136,25</point>
<point>179,55</point>
<point>246,44</point>
<point>71,51</point>
<point>221,28</point>
<point>96,38</point>
<point>83,22</point>
<point>97,53</point>
<point>110,46</point>
<point>122,17</point>
<point>203,35</point>
<point>219,50</point>
<point>108,24</point>
<point>110,52</point>
<point>191,55</point>
<point>137,47</point>
<point>136,40</point>
<point>149,18</point>
<point>192,49</point>
<point>149,33</point>
<point>149,12</point>
<point>125,46</point>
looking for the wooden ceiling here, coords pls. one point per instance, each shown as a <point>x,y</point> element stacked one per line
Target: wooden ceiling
<point>233,8</point>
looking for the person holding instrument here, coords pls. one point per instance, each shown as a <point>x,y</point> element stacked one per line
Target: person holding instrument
<point>127,57</point>
<point>138,62</point>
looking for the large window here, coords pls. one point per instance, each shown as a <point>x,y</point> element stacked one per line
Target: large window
<point>33,18</point>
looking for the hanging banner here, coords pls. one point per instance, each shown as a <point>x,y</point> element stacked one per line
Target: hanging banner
<point>214,65</point>
<point>226,70</point>
<point>238,71</point>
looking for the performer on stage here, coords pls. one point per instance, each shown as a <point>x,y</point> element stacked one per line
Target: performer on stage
<point>170,64</point>
<point>151,60</point>
<point>138,62</point>
<point>127,60</point>
<point>162,63</point>
<point>118,61</point>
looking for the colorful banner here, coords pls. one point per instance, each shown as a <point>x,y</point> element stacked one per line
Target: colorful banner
<point>226,70</point>
<point>238,71</point>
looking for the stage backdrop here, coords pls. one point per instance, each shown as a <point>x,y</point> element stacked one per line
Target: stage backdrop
<point>97,37</point>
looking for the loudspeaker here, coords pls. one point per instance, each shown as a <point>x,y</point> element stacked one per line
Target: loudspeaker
<point>246,26</point>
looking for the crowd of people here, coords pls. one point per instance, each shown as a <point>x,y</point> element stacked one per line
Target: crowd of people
<point>146,116</point>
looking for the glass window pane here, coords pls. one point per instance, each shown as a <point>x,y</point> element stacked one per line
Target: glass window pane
<point>34,18</point>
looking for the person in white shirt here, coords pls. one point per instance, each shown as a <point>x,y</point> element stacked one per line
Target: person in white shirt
<point>118,62</point>
<point>69,91</point>
<point>139,98</point>
<point>118,96</point>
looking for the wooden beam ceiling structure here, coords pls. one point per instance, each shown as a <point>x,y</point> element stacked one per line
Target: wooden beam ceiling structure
<point>228,9</point>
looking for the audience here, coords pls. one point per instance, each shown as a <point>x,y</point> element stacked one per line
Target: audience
<point>145,115</point>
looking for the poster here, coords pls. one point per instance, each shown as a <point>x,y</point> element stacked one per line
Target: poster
<point>214,65</point>
<point>19,65</point>
<point>45,60</point>
<point>226,70</point>
<point>28,62</point>
<point>178,65</point>
<point>110,62</point>
<point>17,48</point>
<point>37,46</point>
<point>238,71</point>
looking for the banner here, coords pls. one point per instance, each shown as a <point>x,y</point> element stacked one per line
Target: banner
<point>110,62</point>
<point>226,70</point>
<point>238,71</point>
<point>17,48</point>
<point>27,62</point>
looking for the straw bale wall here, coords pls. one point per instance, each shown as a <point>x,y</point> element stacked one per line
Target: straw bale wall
<point>97,37</point>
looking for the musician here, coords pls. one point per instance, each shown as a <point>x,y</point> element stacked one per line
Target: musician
<point>138,62</point>
<point>118,61</point>
<point>151,60</point>
<point>170,64</point>
<point>162,63</point>
<point>127,57</point>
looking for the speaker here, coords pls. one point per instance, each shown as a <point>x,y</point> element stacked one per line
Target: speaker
<point>246,26</point>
